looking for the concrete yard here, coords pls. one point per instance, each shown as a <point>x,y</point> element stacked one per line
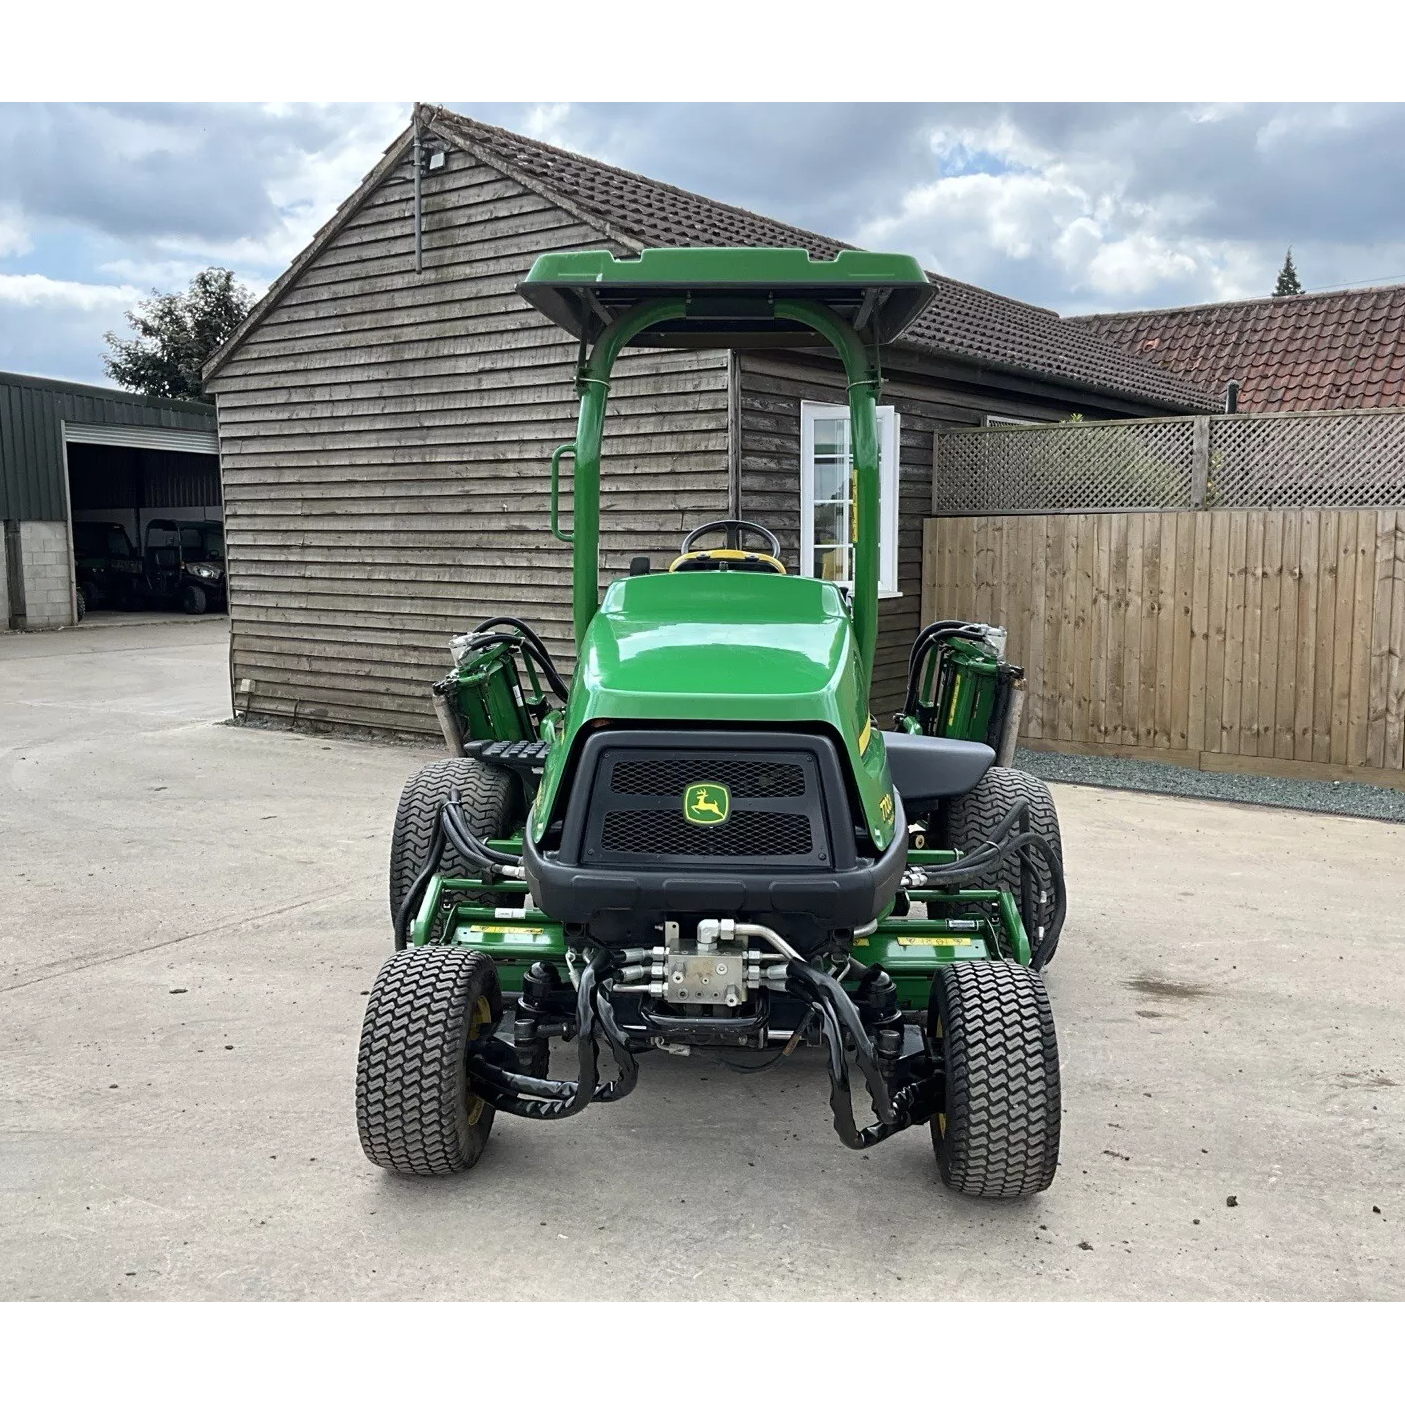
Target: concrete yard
<point>190,914</point>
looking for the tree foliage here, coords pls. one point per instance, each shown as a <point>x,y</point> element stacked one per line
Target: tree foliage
<point>176,334</point>
<point>1287,283</point>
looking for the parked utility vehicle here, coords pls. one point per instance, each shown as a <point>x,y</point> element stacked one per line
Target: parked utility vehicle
<point>184,564</point>
<point>705,840</point>
<point>106,567</point>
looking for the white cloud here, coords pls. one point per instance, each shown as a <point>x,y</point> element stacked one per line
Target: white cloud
<point>54,326</point>
<point>1074,206</point>
<point>35,290</point>
<point>1136,264</point>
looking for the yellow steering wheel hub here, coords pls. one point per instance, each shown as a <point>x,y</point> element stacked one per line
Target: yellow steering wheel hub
<point>726,558</point>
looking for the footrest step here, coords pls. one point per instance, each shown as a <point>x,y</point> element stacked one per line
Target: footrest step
<point>516,756</point>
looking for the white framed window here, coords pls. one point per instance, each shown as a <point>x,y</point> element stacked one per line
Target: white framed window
<point>826,495</point>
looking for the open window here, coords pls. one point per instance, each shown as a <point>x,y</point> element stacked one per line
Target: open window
<point>826,495</point>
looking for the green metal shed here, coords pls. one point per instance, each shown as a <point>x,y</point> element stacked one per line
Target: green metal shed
<point>126,463</point>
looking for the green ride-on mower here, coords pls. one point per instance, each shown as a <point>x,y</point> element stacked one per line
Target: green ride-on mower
<point>704,840</point>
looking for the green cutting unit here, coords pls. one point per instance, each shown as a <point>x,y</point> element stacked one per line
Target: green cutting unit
<point>705,840</point>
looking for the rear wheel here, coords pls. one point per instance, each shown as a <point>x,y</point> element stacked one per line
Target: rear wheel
<point>490,806</point>
<point>193,599</point>
<point>416,1111</point>
<point>80,600</point>
<point>968,818</point>
<point>998,1136</point>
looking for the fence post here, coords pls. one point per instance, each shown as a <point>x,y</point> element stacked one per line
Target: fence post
<point>1199,460</point>
<point>936,467</point>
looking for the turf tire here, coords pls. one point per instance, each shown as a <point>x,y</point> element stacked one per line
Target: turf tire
<point>415,1109</point>
<point>193,599</point>
<point>80,600</point>
<point>999,1135</point>
<point>968,818</point>
<point>490,797</point>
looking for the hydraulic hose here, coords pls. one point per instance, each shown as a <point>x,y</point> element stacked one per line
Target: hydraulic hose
<point>992,852</point>
<point>838,1013</point>
<point>547,1098</point>
<point>926,641</point>
<point>455,829</point>
<point>416,893</point>
<point>526,639</point>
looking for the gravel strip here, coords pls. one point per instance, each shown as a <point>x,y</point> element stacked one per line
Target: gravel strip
<point>1323,797</point>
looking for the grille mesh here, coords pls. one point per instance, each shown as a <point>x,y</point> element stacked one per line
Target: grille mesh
<point>746,779</point>
<point>749,833</point>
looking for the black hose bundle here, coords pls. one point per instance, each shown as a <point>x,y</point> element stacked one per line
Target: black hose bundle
<point>453,830</point>
<point>525,639</point>
<point>990,855</point>
<point>547,1099</point>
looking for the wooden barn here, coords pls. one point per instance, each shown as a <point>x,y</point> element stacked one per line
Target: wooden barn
<point>387,414</point>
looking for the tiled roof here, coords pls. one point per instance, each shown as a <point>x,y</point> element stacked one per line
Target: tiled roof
<point>1312,351</point>
<point>963,321</point>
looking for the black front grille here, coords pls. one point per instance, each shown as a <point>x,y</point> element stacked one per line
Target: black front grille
<point>746,833</point>
<point>776,812</point>
<point>745,778</point>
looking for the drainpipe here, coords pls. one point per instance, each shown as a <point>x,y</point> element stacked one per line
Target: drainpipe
<point>417,157</point>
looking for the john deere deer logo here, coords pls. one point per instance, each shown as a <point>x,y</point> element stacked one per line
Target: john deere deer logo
<point>706,803</point>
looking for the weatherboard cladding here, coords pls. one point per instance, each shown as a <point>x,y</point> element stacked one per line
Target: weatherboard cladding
<point>32,413</point>
<point>1313,351</point>
<point>386,438</point>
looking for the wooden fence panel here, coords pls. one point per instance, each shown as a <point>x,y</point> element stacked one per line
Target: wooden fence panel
<point>1269,640</point>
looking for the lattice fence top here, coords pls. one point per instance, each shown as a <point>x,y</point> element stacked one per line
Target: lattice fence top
<point>1335,459</point>
<point>1077,467</point>
<point>1332,460</point>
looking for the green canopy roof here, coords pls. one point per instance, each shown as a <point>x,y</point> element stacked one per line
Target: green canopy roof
<point>730,293</point>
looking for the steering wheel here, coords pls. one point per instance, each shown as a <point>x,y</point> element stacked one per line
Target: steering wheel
<point>736,529</point>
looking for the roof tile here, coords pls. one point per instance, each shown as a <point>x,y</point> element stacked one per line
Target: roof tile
<point>1313,351</point>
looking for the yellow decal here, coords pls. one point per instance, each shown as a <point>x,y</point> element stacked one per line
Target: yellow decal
<point>935,941</point>
<point>885,807</point>
<point>512,931</point>
<point>865,736</point>
<point>706,802</point>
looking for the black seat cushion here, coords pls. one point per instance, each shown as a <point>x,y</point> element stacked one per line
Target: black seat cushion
<point>928,769</point>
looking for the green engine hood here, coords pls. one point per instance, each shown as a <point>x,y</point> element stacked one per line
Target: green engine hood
<point>725,646</point>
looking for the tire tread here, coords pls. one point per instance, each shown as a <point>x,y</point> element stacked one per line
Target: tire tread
<point>413,1102</point>
<point>1003,1107</point>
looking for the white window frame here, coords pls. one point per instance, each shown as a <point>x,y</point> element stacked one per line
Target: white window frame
<point>889,430</point>
<point>1009,419</point>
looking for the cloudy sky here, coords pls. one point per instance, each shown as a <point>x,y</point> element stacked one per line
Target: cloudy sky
<point>1076,207</point>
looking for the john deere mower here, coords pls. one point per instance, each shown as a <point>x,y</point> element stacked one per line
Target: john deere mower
<point>704,840</point>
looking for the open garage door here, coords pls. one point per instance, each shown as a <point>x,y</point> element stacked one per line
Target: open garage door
<point>146,515</point>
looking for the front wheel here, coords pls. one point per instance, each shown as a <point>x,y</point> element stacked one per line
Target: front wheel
<point>193,600</point>
<point>998,1133</point>
<point>416,1111</point>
